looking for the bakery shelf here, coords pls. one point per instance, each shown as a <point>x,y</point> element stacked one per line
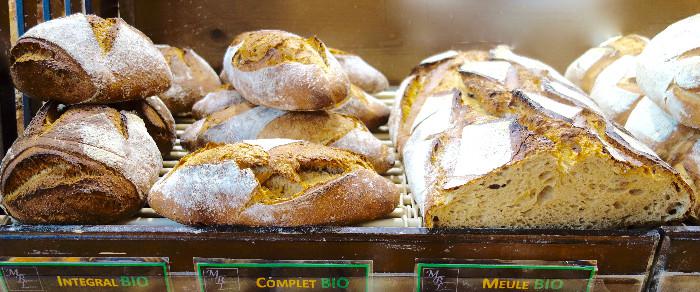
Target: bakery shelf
<point>677,267</point>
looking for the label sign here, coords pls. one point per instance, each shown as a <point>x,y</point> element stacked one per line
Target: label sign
<point>257,275</point>
<point>83,274</point>
<point>497,275</point>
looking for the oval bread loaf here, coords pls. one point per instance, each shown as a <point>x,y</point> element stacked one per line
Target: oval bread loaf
<point>159,122</point>
<point>668,70</point>
<point>216,101</point>
<point>284,71</point>
<point>193,78</point>
<point>87,59</point>
<point>272,183</point>
<point>360,73</point>
<point>79,165</point>
<point>241,122</point>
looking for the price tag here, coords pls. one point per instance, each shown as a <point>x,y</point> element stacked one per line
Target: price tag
<point>259,275</point>
<point>497,275</point>
<point>19,274</point>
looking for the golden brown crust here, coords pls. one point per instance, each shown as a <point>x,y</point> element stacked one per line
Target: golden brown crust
<point>193,78</point>
<point>216,101</point>
<point>318,127</point>
<point>372,112</point>
<point>159,122</point>
<point>360,72</point>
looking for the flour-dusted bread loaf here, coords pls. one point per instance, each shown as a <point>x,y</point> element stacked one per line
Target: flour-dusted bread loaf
<point>240,122</point>
<point>216,101</point>
<point>82,164</point>
<point>434,75</point>
<point>193,78</point>
<point>282,70</point>
<point>668,70</point>
<point>360,72</point>
<point>157,118</point>
<point>272,182</point>
<point>489,156</point>
<point>87,59</point>
<point>367,108</point>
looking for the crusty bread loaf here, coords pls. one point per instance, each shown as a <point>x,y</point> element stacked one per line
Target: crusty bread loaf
<point>273,182</point>
<point>193,78</point>
<point>284,71</point>
<point>158,120</point>
<point>240,122</point>
<point>536,158</point>
<point>87,59</point>
<point>216,101</point>
<point>668,70</point>
<point>360,72</point>
<point>79,165</point>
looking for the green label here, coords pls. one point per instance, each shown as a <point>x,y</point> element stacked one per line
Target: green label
<point>499,276</point>
<point>256,275</point>
<point>84,274</point>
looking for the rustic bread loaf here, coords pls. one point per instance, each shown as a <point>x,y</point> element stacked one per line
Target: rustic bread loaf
<point>216,101</point>
<point>240,122</point>
<point>668,70</point>
<point>536,159</point>
<point>368,109</point>
<point>284,71</point>
<point>158,120</point>
<point>193,78</point>
<point>360,72</point>
<point>87,59</point>
<point>79,165</point>
<point>273,182</point>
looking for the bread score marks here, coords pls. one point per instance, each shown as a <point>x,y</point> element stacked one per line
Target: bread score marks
<point>268,144</point>
<point>579,68</point>
<point>503,52</point>
<point>551,105</point>
<point>612,90</point>
<point>245,126</point>
<point>396,116</point>
<point>498,71</point>
<point>439,57</point>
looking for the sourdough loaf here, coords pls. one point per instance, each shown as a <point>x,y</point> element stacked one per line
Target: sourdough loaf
<point>284,71</point>
<point>273,182</point>
<point>241,122</point>
<point>668,70</point>
<point>87,59</point>
<point>193,78</point>
<point>82,164</point>
<point>216,101</point>
<point>360,72</point>
<point>158,120</point>
<point>534,157</point>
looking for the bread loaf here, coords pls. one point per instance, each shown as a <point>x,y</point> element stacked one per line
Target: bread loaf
<point>216,101</point>
<point>668,70</point>
<point>79,165</point>
<point>272,183</point>
<point>360,72</point>
<point>240,122</point>
<point>284,71</point>
<point>158,120</point>
<point>87,59</point>
<point>536,158</point>
<point>193,78</point>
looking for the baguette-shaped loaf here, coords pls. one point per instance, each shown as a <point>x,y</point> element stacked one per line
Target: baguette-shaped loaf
<point>79,165</point>
<point>87,59</point>
<point>193,78</point>
<point>668,70</point>
<point>284,71</point>
<point>157,118</point>
<point>536,158</point>
<point>360,72</point>
<point>241,122</point>
<point>273,182</point>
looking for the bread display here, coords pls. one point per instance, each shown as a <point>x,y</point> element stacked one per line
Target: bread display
<point>360,73</point>
<point>272,183</point>
<point>159,122</point>
<point>84,164</point>
<point>215,101</point>
<point>241,122</point>
<point>487,156</point>
<point>193,78</point>
<point>668,70</point>
<point>87,59</point>
<point>284,71</point>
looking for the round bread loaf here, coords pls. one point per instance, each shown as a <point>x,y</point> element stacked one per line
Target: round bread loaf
<point>193,78</point>
<point>272,183</point>
<point>668,70</point>
<point>368,109</point>
<point>360,72</point>
<point>87,59</point>
<point>216,101</point>
<point>157,118</point>
<point>79,165</point>
<point>284,71</point>
<point>240,122</point>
